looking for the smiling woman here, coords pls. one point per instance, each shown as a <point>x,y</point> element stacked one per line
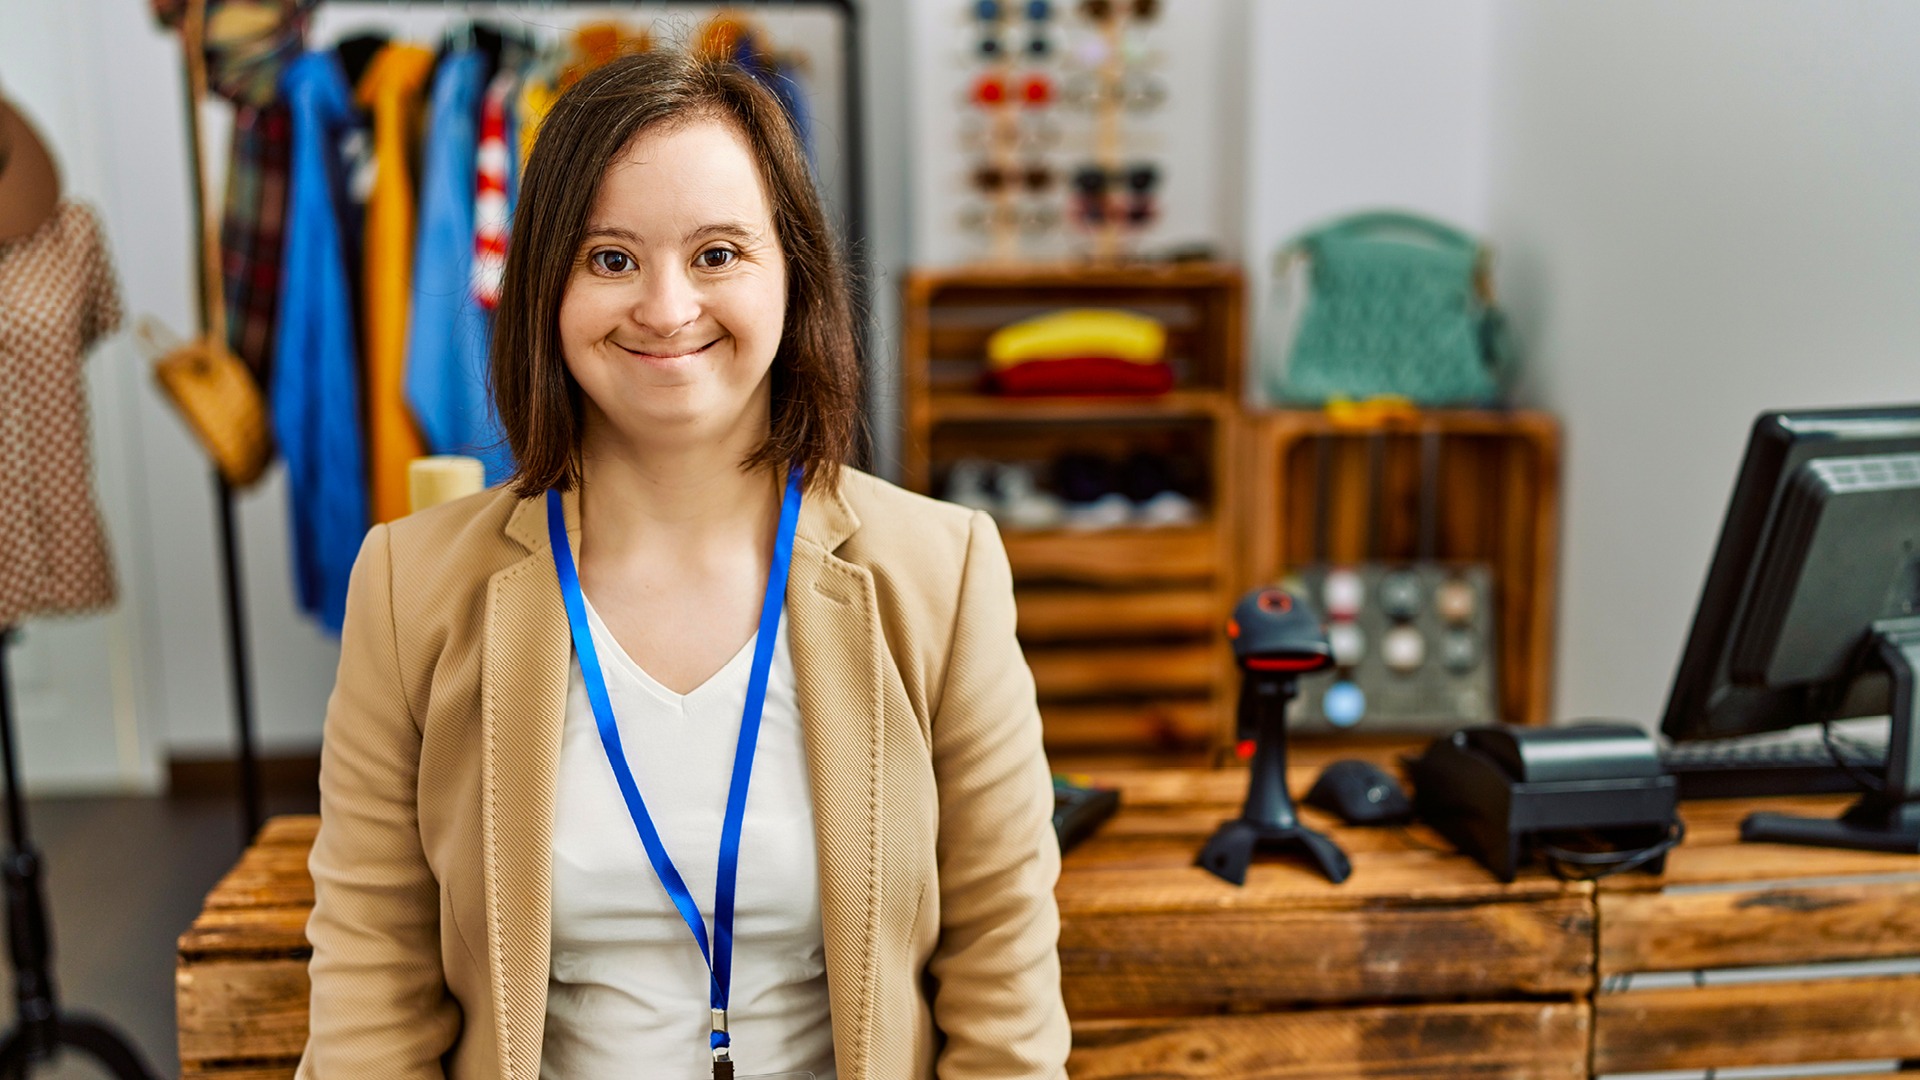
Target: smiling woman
<point>683,627</point>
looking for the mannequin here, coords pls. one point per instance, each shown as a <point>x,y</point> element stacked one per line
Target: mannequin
<point>29,183</point>
<point>42,241</point>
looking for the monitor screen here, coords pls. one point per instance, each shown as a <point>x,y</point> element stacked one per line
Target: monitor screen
<point>1820,543</point>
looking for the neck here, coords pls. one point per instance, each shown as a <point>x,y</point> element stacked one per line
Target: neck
<point>698,495</point>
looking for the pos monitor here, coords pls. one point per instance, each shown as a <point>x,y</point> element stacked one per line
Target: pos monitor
<point>1811,609</point>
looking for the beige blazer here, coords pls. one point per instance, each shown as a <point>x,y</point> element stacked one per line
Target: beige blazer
<point>431,872</point>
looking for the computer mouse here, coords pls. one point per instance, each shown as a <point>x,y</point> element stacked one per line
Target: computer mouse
<point>1360,793</point>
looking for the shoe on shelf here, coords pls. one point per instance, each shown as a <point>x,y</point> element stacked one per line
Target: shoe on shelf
<point>970,484</point>
<point>1168,509</point>
<point>1144,475</point>
<point>1022,504</point>
<point>1109,511</point>
<point>1081,478</point>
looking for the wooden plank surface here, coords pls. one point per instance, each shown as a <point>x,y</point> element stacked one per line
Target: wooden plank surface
<point>1714,854</point>
<point>1785,922</point>
<point>1141,862</point>
<point>256,933</point>
<point>1780,1023</point>
<point>282,1070</point>
<point>1122,668</point>
<point>1153,721</point>
<point>1132,964</point>
<point>1535,1041</point>
<point>1123,557</point>
<point>1056,614</point>
<point>242,1010</point>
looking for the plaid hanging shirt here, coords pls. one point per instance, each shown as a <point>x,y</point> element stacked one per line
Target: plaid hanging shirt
<point>249,45</point>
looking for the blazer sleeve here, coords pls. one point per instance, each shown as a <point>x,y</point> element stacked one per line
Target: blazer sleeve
<point>380,1005</point>
<point>996,968</point>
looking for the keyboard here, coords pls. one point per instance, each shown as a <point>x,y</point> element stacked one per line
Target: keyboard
<point>1744,768</point>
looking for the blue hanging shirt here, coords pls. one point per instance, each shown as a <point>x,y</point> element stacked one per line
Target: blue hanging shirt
<point>316,376</point>
<point>449,332</point>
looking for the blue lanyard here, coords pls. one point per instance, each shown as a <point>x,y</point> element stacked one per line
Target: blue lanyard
<point>720,960</point>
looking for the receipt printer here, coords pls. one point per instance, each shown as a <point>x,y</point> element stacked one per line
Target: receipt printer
<point>1495,791</point>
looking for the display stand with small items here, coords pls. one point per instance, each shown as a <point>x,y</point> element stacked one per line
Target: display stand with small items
<point>1117,510</point>
<point>1429,539</point>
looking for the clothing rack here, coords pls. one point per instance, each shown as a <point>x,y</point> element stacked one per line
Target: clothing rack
<point>42,1029</point>
<point>233,589</point>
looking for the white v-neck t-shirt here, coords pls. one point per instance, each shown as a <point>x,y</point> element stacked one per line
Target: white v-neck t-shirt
<point>627,991</point>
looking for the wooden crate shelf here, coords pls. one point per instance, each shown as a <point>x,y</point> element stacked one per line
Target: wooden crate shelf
<point>1498,502</point>
<point>1122,626</point>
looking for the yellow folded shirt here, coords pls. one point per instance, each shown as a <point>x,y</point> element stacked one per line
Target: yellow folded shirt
<point>1120,335</point>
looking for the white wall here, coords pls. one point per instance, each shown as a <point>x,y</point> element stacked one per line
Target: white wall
<point>1358,104</point>
<point>1702,211</point>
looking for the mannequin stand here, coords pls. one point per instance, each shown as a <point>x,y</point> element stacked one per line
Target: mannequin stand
<point>42,1029</point>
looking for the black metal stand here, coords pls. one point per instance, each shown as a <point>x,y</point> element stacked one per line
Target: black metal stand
<point>1885,820</point>
<point>240,663</point>
<point>1268,820</point>
<point>42,1029</point>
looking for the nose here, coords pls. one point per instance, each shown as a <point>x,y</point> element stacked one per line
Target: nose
<point>665,303</point>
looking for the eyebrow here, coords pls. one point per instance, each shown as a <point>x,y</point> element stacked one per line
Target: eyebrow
<point>731,230</point>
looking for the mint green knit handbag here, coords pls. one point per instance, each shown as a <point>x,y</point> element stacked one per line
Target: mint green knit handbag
<point>1394,305</point>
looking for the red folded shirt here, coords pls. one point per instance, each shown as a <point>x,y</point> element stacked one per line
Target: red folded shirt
<point>1085,375</point>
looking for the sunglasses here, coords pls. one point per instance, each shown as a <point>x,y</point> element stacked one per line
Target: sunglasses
<point>1105,10</point>
<point>994,89</point>
<point>994,179</point>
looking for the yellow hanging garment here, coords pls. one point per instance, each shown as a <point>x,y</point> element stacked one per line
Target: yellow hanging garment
<point>391,88</point>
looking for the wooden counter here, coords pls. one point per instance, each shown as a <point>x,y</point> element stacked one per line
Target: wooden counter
<point>1421,965</point>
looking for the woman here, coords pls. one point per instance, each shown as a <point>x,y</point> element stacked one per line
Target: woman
<point>534,678</point>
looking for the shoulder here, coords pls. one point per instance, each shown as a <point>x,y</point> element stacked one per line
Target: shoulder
<point>449,551</point>
<point>901,530</point>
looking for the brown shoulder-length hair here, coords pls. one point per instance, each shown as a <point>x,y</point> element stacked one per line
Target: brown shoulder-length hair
<point>815,411</point>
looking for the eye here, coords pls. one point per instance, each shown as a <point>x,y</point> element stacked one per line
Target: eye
<point>708,262</point>
<point>611,261</point>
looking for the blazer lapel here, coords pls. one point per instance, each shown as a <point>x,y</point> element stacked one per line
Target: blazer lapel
<point>834,632</point>
<point>523,699</point>
<point>833,629</point>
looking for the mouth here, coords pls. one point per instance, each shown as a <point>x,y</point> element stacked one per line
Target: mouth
<point>667,356</point>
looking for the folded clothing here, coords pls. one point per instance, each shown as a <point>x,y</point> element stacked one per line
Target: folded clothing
<point>1079,332</point>
<point>1086,375</point>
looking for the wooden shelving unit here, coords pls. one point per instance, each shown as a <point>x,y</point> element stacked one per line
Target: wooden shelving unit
<point>1498,503</point>
<point>1122,627</point>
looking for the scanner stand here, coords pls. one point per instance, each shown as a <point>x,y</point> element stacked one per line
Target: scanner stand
<point>1886,820</point>
<point>1268,822</point>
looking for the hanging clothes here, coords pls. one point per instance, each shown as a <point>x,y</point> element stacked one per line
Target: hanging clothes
<point>57,297</point>
<point>316,384</point>
<point>446,378</point>
<point>495,182</point>
<point>391,90</point>
<point>248,49</point>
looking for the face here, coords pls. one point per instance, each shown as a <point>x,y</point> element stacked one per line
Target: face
<point>677,296</point>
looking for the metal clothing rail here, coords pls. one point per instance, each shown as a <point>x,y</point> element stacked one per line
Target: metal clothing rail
<point>240,662</point>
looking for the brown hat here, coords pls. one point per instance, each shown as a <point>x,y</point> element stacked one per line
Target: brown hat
<point>29,183</point>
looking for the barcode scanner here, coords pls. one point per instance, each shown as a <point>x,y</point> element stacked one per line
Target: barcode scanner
<point>1277,637</point>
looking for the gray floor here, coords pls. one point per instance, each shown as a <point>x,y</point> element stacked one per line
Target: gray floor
<point>124,876</point>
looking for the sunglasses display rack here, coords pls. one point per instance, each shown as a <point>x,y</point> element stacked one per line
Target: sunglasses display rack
<point>1039,68</point>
